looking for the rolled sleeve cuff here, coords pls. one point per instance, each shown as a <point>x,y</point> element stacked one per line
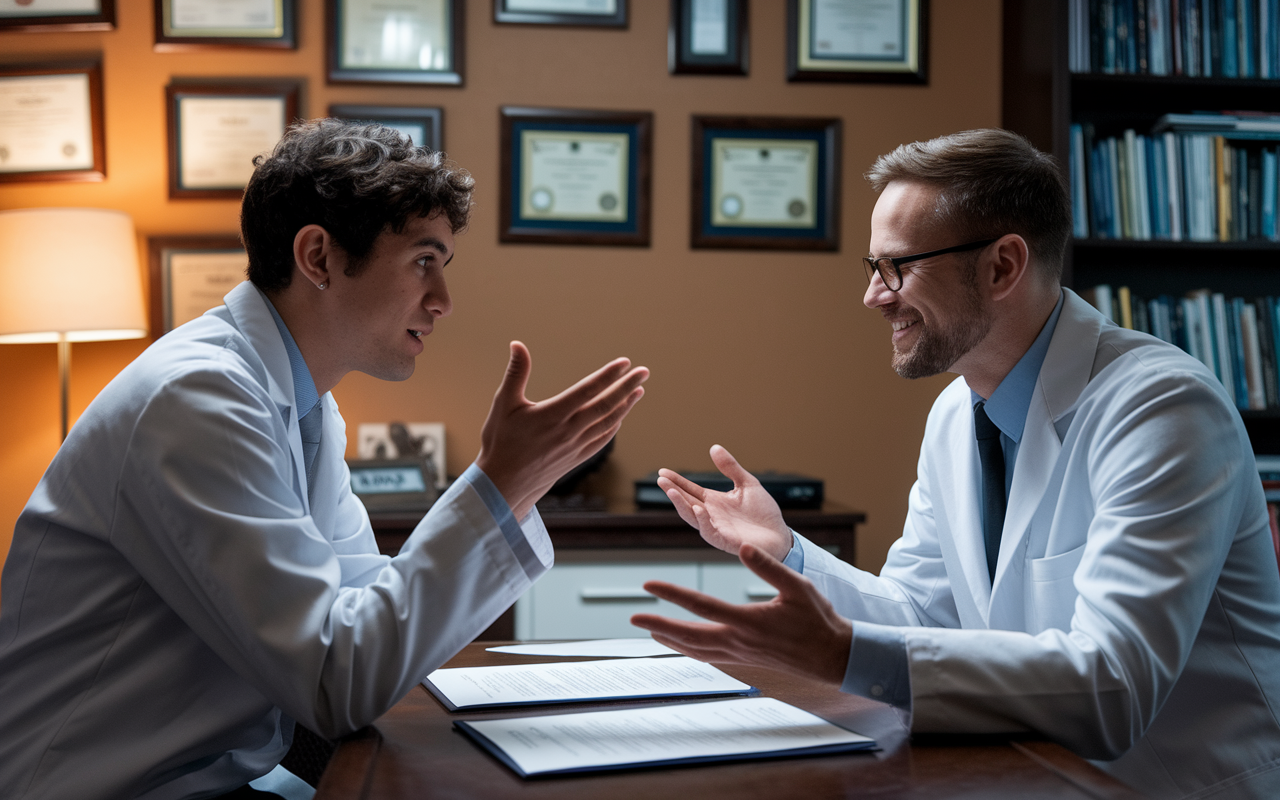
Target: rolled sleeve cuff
<point>878,665</point>
<point>527,538</point>
<point>795,556</point>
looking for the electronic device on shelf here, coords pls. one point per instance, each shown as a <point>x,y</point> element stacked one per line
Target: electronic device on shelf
<point>789,490</point>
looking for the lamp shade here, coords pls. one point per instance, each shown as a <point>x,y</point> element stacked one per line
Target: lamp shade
<point>69,272</point>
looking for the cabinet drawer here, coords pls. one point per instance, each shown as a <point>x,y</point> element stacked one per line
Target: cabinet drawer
<point>596,601</point>
<point>735,583</point>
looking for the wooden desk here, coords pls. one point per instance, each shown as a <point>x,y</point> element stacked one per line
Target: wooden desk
<point>414,752</point>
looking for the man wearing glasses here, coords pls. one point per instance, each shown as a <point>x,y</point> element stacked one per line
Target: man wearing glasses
<point>1086,552</point>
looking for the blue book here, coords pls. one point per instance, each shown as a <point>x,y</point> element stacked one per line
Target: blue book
<point>1230,40</point>
<point>1269,166</point>
<point>1158,188</point>
<point>1079,186</point>
<point>1236,337</point>
<point>1247,38</point>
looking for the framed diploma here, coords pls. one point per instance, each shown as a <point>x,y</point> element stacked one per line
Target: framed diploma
<point>707,37</point>
<point>408,41</point>
<point>575,177</point>
<point>879,41</point>
<point>190,275</point>
<point>216,130</point>
<point>57,15</point>
<point>423,126</point>
<point>608,13</point>
<point>51,122</point>
<point>766,182</point>
<point>189,24</point>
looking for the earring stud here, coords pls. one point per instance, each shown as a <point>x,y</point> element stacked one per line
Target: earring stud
<point>322,285</point>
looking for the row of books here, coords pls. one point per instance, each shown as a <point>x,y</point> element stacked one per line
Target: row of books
<point>1196,38</point>
<point>1269,472</point>
<point>1235,337</point>
<point>1177,186</point>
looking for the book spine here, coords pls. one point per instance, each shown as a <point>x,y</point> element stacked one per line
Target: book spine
<point>1192,325</point>
<point>1079,186</point>
<point>1268,191</point>
<point>1142,52</point>
<point>1253,193</point>
<point>1267,351</point>
<point>1235,309</point>
<point>1252,356</point>
<point>1124,300</point>
<point>1175,37</point>
<point>1113,175</point>
<point>1208,351</point>
<point>1222,169</point>
<point>1174,185</point>
<point>1223,345</point>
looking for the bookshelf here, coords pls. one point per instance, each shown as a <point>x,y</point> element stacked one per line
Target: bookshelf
<point>1042,98</point>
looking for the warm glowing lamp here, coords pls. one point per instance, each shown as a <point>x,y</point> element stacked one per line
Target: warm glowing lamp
<point>69,275</point>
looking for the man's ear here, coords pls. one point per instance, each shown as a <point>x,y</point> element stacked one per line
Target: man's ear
<point>1010,262</point>
<point>312,252</point>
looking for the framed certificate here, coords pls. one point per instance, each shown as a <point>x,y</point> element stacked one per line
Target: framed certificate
<point>879,41</point>
<point>189,24</point>
<point>575,177</point>
<point>765,182</point>
<point>216,130</point>
<point>707,37</point>
<point>57,15</point>
<point>190,275</point>
<point>424,126</point>
<point>608,13</point>
<point>408,41</point>
<point>51,122</point>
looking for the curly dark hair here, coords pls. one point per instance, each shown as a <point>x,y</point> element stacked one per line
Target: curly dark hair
<point>355,180</point>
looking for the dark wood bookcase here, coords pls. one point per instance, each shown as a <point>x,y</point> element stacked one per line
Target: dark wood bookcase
<point>1042,98</point>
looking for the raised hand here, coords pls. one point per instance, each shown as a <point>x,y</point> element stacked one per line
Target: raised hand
<point>525,447</point>
<point>728,520</point>
<point>796,632</point>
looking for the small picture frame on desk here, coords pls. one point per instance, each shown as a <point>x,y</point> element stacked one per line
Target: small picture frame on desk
<point>403,43</point>
<point>766,182</point>
<point>57,15</point>
<point>190,275</point>
<point>575,177</point>
<point>51,122</point>
<point>215,131</point>
<point>857,41</point>
<point>707,37</point>
<point>424,126</point>
<point>593,13</point>
<point>194,24</point>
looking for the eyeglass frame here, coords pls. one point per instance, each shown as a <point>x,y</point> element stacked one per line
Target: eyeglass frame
<point>872,265</point>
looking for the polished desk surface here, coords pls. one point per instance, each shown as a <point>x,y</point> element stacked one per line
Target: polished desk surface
<point>414,752</point>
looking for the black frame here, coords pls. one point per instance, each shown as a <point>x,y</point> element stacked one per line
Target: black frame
<point>920,75</point>
<point>681,60</point>
<point>638,125</point>
<point>158,248</point>
<point>824,236</point>
<point>93,69</point>
<point>337,73</point>
<point>432,119</point>
<point>103,20</point>
<point>176,91</point>
<point>167,42</point>
<point>618,19</point>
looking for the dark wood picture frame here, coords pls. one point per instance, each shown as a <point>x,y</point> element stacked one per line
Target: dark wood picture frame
<point>180,89</point>
<point>618,19</point>
<point>338,73</point>
<point>859,70</point>
<point>681,60</point>
<point>168,41</point>
<point>159,248</point>
<point>92,69</point>
<point>637,125</point>
<point>104,19</point>
<point>430,118</point>
<point>825,235</point>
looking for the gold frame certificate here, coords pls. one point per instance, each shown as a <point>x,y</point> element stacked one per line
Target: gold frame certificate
<point>408,41</point>
<point>196,281</point>
<point>764,183</point>
<point>219,137</point>
<point>46,123</point>
<point>574,176</point>
<point>224,18</point>
<point>857,40</point>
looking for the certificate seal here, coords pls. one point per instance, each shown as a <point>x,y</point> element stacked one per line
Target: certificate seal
<point>796,208</point>
<point>608,201</point>
<point>541,199</point>
<point>731,205</point>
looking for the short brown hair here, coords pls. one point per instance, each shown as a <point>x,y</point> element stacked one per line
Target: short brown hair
<point>991,182</point>
<point>354,180</point>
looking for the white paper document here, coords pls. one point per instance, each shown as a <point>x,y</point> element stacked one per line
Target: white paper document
<point>462,688</point>
<point>596,648</point>
<point>681,733</point>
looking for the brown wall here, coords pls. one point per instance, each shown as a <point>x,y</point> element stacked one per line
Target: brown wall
<point>770,354</point>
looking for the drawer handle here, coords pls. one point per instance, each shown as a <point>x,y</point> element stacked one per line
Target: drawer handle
<point>617,596</point>
<point>761,592</point>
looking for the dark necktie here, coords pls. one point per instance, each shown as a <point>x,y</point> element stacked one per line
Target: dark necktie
<point>310,426</point>
<point>993,500</point>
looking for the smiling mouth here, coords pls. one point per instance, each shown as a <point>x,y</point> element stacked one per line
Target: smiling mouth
<point>416,334</point>
<point>903,325</point>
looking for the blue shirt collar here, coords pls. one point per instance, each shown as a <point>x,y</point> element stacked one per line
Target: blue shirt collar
<point>1008,404</point>
<point>305,396</point>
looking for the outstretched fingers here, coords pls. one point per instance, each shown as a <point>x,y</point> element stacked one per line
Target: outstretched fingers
<point>516,378</point>
<point>730,468</point>
<point>704,605</point>
<point>787,581</point>
<point>692,491</point>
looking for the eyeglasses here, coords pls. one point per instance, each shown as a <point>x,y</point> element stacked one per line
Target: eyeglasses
<point>890,269</point>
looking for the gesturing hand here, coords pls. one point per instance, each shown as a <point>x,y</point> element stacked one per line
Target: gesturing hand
<point>728,520</point>
<point>797,632</point>
<point>525,447</point>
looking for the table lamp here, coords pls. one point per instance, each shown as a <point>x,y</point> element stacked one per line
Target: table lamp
<point>69,275</point>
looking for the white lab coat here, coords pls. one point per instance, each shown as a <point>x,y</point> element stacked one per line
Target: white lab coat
<point>173,600</point>
<point>1135,613</point>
